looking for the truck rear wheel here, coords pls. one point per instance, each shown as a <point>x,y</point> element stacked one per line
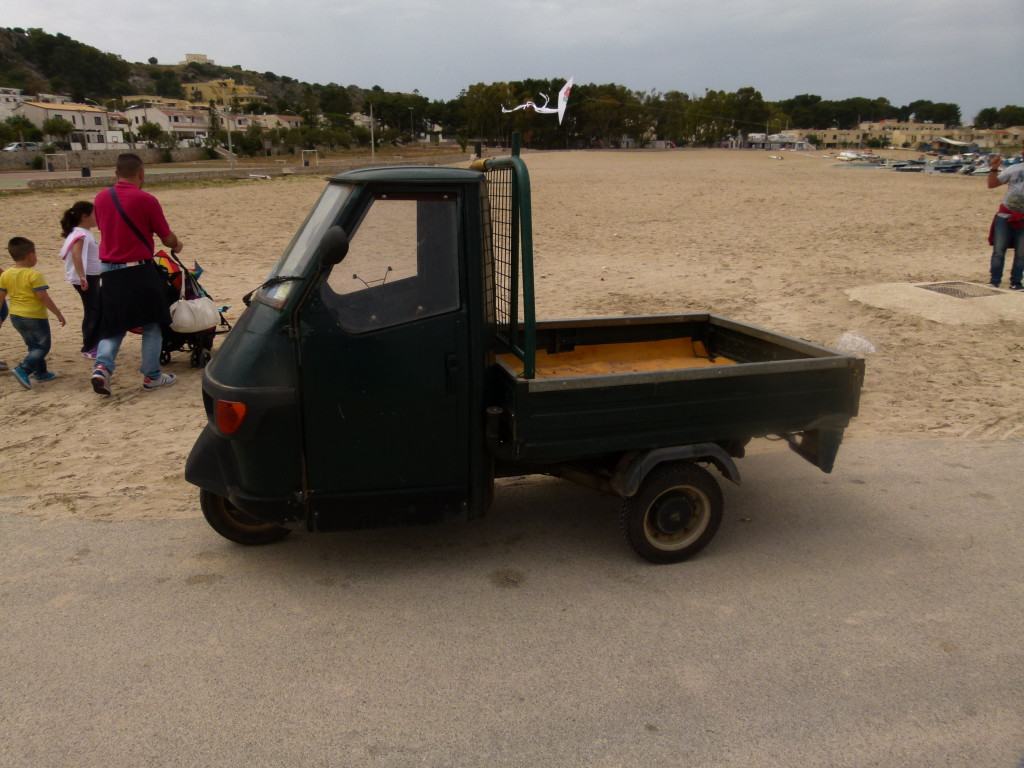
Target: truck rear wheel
<point>674,514</point>
<point>233,524</point>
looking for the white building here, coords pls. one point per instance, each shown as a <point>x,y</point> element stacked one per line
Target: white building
<point>52,98</point>
<point>362,120</point>
<point>10,98</point>
<point>197,58</point>
<point>777,141</point>
<point>188,125</point>
<point>90,123</point>
<point>279,122</point>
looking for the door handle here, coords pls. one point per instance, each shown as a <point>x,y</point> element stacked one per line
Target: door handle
<point>451,367</point>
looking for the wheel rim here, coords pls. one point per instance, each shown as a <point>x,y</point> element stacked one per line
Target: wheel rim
<point>242,520</point>
<point>677,518</point>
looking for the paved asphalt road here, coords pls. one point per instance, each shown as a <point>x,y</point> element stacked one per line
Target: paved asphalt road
<point>872,617</point>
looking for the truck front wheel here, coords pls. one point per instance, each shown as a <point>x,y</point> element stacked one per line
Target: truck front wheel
<point>674,514</point>
<point>233,524</point>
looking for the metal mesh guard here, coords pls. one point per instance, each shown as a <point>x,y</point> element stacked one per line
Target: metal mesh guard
<point>962,290</point>
<point>499,186</point>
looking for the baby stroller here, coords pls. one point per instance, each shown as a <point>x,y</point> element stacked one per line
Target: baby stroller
<point>200,344</point>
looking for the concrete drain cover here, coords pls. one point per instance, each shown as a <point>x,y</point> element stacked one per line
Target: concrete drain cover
<point>962,290</point>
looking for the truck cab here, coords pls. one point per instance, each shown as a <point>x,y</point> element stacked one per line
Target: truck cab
<point>364,376</point>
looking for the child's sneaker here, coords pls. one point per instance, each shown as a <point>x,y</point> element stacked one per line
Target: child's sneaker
<point>90,354</point>
<point>22,377</point>
<point>3,365</point>
<point>163,380</point>
<point>45,376</point>
<point>100,380</point>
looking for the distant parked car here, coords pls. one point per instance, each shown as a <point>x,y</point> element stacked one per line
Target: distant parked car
<point>22,146</point>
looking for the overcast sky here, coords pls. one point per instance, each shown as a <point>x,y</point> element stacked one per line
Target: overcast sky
<point>967,53</point>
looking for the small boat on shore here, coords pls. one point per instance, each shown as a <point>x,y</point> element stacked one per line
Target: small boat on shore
<point>860,157</point>
<point>909,166</point>
<point>945,166</point>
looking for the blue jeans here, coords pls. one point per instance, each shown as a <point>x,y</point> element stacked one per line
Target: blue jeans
<point>1003,237</point>
<point>36,333</point>
<point>152,344</point>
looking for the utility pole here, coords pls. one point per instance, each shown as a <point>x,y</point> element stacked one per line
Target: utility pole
<point>231,152</point>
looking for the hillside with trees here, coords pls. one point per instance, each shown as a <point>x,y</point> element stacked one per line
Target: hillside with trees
<point>598,115</point>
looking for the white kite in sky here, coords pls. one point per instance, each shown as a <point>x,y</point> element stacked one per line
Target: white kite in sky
<point>544,109</point>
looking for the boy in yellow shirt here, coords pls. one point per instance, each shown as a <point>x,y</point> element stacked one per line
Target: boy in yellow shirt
<point>26,289</point>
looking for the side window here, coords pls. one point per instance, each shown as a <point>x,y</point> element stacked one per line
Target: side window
<point>402,263</point>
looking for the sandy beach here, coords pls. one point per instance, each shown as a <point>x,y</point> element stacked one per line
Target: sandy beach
<point>804,245</point>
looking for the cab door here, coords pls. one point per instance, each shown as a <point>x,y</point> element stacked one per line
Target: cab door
<point>383,370</point>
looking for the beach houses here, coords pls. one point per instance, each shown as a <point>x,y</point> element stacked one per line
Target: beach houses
<point>90,123</point>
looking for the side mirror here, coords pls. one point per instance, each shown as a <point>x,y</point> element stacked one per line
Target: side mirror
<point>333,246</point>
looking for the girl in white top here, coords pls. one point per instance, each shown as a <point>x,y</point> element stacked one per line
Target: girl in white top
<point>81,255</point>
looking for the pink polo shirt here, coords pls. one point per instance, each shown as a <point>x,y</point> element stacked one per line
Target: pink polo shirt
<point>119,244</point>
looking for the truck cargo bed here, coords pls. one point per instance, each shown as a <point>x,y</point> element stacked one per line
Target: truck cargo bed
<point>619,384</point>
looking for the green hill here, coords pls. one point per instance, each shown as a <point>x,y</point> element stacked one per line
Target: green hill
<point>38,62</point>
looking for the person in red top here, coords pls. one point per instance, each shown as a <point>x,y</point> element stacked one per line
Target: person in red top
<point>1008,224</point>
<point>133,293</point>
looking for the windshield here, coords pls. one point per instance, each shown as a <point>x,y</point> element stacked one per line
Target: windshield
<point>295,260</point>
<point>296,257</point>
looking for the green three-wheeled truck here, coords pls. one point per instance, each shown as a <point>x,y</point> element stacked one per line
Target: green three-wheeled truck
<point>391,367</point>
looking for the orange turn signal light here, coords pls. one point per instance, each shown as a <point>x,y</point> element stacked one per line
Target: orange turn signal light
<point>230,416</point>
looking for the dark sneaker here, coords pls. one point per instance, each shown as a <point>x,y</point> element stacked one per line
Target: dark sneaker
<point>22,377</point>
<point>100,380</point>
<point>48,376</point>
<point>1016,287</point>
<point>993,284</point>
<point>3,365</point>
<point>163,380</point>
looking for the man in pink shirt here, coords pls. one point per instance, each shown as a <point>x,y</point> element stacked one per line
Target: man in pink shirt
<point>133,292</point>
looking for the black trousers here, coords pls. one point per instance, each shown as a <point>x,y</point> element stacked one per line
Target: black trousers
<point>91,313</point>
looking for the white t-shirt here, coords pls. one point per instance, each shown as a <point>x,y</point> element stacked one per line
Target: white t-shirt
<point>90,254</point>
<point>1013,178</point>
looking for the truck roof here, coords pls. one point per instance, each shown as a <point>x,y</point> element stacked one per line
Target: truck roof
<point>409,173</point>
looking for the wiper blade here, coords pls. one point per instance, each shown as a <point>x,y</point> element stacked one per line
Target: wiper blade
<point>269,284</point>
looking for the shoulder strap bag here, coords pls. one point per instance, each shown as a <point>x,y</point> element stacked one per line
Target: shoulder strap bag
<point>129,222</point>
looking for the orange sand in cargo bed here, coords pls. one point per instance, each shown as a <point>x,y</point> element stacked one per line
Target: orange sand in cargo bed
<point>600,359</point>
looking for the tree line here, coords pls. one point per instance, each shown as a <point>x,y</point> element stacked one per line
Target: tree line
<point>604,115</point>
